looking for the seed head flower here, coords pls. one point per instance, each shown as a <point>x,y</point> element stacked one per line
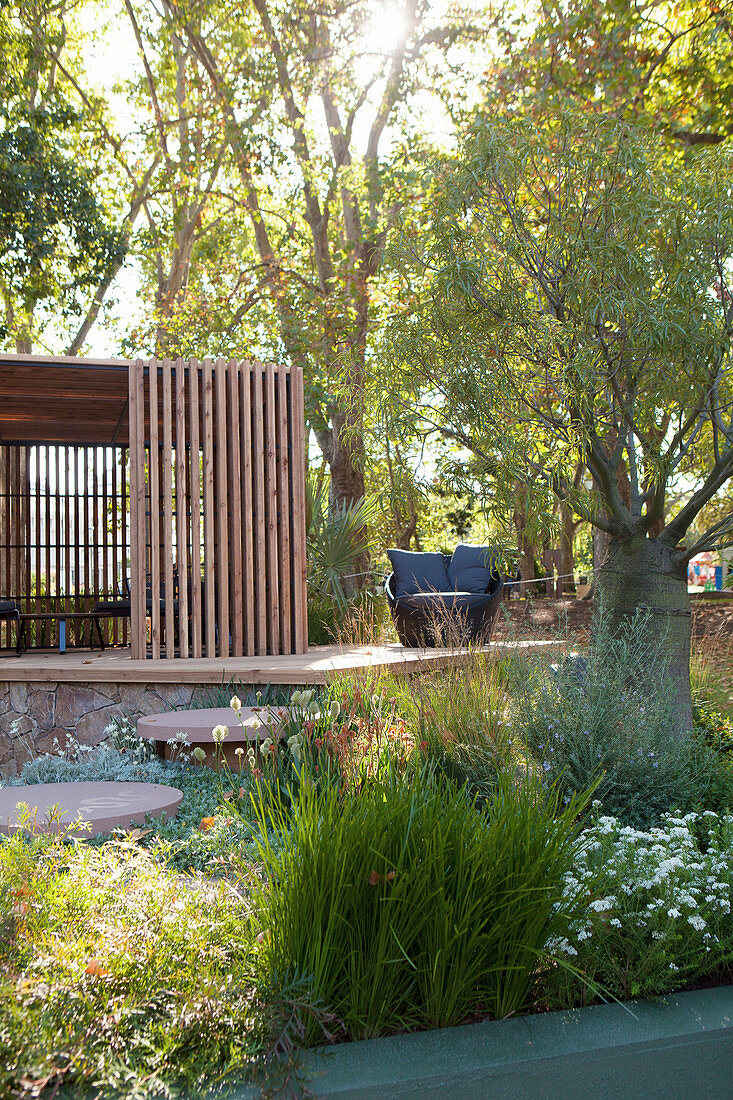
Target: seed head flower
<point>235,703</point>
<point>239,751</point>
<point>219,733</point>
<point>334,708</point>
<point>199,753</point>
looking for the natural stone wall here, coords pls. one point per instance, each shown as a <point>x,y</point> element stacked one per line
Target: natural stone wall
<point>36,715</point>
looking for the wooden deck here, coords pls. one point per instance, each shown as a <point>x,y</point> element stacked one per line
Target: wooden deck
<point>314,667</point>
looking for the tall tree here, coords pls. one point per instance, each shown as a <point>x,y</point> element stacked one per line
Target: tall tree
<point>569,298</point>
<point>310,98</point>
<point>667,66</point>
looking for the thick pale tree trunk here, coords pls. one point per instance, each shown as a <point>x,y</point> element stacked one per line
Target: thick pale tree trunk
<point>643,573</point>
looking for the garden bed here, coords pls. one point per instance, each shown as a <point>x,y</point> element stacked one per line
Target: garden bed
<point>671,1048</point>
<point>407,858</point>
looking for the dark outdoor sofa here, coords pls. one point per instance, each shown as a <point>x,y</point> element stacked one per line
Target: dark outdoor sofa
<point>444,599</point>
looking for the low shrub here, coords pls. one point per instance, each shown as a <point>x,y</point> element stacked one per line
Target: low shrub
<point>120,979</point>
<point>660,915</point>
<point>404,906</point>
<point>608,717</point>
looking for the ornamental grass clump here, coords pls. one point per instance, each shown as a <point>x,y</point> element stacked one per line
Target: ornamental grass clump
<point>659,917</point>
<point>403,906</point>
<point>609,717</point>
<point>459,716</point>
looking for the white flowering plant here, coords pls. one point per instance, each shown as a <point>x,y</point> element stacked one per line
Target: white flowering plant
<point>342,735</point>
<point>658,914</point>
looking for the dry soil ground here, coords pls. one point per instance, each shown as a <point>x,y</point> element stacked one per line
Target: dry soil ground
<point>712,632</point>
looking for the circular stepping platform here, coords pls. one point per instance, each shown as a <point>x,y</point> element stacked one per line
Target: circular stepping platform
<point>105,805</point>
<point>197,726</point>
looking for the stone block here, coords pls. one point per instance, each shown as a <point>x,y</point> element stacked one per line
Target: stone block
<point>73,701</point>
<point>53,741</point>
<point>9,770</point>
<point>19,693</point>
<point>6,747</point>
<point>42,707</point>
<point>17,725</point>
<point>176,696</point>
<point>137,700</point>
<point>90,727</point>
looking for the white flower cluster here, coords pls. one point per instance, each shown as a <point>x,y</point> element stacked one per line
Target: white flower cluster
<point>670,887</point>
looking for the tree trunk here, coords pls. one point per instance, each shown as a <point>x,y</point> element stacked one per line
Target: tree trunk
<point>643,573</point>
<point>525,549</point>
<point>567,557</point>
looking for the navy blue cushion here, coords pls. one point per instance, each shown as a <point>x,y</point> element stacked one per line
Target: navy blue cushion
<point>443,601</point>
<point>471,567</point>
<point>418,572</point>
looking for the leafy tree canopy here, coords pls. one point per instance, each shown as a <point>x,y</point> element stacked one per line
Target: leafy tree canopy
<point>56,237</point>
<point>574,304</point>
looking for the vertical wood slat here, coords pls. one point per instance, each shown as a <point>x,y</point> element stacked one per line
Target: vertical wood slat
<point>298,460</point>
<point>248,575</point>
<point>67,521</point>
<point>85,502</point>
<point>126,525</point>
<point>284,510</point>
<point>115,519</point>
<point>170,639</point>
<point>195,510</point>
<point>222,507</point>
<point>106,547</point>
<point>273,578</point>
<point>47,572</point>
<point>76,537</point>
<point>154,492</point>
<point>182,526</point>
<point>259,510</point>
<point>235,509</point>
<point>27,521</point>
<point>209,563</point>
<point>5,532</point>
<point>137,511</point>
<point>35,491</point>
<point>94,508</point>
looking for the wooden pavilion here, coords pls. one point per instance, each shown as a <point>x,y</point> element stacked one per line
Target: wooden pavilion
<point>170,493</point>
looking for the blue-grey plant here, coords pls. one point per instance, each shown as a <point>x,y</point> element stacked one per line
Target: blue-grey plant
<point>610,716</point>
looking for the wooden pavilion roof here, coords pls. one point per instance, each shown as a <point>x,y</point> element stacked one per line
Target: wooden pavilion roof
<point>63,400</point>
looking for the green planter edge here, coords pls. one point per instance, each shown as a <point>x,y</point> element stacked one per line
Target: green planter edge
<point>669,1048</point>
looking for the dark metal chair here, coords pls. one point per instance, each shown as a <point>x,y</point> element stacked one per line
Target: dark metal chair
<point>118,605</point>
<point>10,612</point>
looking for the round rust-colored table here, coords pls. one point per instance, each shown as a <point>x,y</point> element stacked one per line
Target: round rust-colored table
<point>197,726</point>
<point>104,805</point>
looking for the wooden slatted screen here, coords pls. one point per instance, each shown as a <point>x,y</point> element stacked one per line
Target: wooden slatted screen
<point>217,484</point>
<point>64,533</point>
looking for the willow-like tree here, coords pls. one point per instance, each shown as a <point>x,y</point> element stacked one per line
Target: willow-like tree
<point>573,291</point>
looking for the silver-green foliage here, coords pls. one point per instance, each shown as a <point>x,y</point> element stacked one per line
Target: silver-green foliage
<point>610,717</point>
